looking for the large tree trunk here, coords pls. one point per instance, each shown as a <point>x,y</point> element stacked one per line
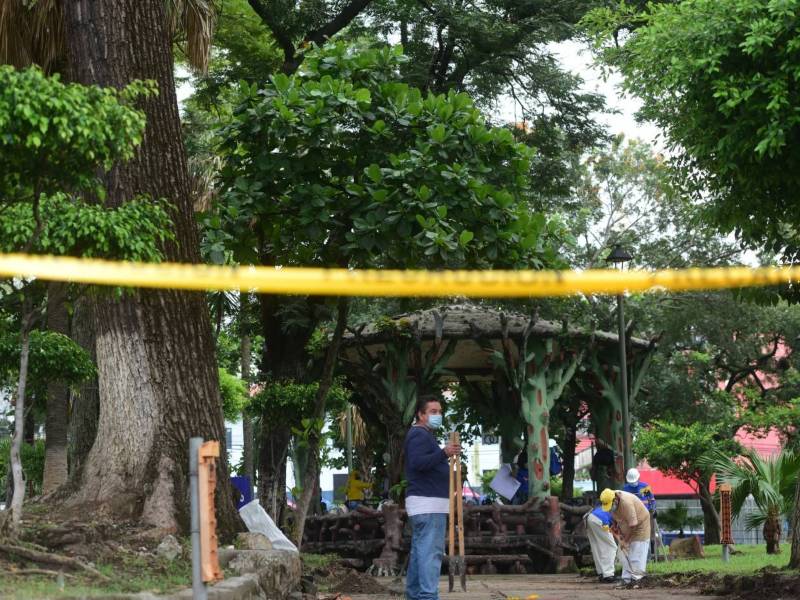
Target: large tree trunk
<point>57,418</point>
<point>284,357</point>
<point>794,560</point>
<point>158,379</point>
<point>772,534</point>
<point>568,457</point>
<point>84,401</point>
<point>712,523</point>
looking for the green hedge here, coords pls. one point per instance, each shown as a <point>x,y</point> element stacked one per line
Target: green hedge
<point>32,465</point>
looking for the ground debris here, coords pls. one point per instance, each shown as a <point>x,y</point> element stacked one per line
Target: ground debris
<point>340,581</point>
<point>37,556</point>
<point>769,583</point>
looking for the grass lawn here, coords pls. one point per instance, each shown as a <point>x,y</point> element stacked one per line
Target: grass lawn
<point>751,559</point>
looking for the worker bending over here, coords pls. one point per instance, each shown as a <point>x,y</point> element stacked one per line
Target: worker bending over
<point>604,548</point>
<point>632,520</point>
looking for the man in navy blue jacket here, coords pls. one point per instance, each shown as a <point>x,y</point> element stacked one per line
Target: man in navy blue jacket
<point>427,502</point>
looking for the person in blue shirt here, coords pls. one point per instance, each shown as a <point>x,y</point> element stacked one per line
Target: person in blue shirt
<point>427,499</point>
<point>602,543</point>
<point>521,497</point>
<point>556,466</point>
<point>641,490</point>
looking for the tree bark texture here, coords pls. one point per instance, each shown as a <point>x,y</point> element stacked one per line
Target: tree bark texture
<point>794,560</point>
<point>84,401</point>
<point>158,380</point>
<point>772,533</point>
<point>284,357</point>
<point>712,523</point>
<point>57,418</point>
<point>273,448</point>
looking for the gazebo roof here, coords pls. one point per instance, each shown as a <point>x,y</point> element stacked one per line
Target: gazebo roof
<point>475,328</point>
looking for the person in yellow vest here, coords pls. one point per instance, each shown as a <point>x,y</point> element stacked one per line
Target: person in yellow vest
<point>354,492</point>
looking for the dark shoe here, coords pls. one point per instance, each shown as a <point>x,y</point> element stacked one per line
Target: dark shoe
<point>608,580</point>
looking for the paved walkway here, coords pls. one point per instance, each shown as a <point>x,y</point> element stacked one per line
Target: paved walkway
<point>548,587</point>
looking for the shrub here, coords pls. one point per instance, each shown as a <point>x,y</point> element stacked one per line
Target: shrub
<point>32,466</point>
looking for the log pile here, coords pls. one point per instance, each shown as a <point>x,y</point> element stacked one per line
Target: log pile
<point>540,537</point>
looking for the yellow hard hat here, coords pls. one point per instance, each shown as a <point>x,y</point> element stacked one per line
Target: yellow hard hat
<point>607,498</point>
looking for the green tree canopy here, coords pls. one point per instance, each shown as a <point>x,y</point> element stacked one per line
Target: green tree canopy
<point>717,77</point>
<point>56,140</point>
<point>677,449</point>
<point>53,357</point>
<point>343,165</point>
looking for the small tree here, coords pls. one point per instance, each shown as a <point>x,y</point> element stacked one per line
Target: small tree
<point>678,518</point>
<point>771,482</point>
<point>677,451</point>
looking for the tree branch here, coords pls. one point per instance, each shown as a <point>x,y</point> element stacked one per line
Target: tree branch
<point>339,22</point>
<point>281,36</point>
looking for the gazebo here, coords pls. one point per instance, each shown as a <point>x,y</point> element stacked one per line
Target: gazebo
<point>514,368</point>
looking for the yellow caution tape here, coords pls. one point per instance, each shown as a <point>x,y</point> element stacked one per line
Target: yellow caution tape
<point>343,282</point>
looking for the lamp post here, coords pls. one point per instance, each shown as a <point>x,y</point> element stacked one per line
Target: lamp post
<point>618,257</point>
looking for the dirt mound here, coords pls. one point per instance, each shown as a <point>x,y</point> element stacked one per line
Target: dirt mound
<point>349,581</point>
<point>767,584</point>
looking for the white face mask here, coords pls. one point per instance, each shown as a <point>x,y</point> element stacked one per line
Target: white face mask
<point>434,421</point>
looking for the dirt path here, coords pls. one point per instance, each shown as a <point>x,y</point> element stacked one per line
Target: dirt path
<point>548,587</point>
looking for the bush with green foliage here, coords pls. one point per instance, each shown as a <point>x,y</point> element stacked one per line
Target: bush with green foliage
<point>235,396</point>
<point>56,141</point>
<point>771,482</point>
<point>53,357</point>
<point>32,466</point>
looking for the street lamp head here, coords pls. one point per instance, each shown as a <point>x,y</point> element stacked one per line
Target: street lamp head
<point>618,256</point>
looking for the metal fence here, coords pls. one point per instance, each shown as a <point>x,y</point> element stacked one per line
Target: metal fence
<point>741,534</point>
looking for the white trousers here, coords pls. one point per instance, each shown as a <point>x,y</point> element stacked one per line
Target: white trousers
<point>634,561</point>
<point>604,548</point>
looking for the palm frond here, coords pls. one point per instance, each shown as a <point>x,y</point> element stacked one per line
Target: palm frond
<point>194,19</point>
<point>770,481</point>
<point>755,520</point>
<point>357,423</point>
<point>31,33</point>
<point>202,175</point>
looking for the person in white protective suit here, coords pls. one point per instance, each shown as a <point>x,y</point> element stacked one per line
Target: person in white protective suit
<point>603,545</point>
